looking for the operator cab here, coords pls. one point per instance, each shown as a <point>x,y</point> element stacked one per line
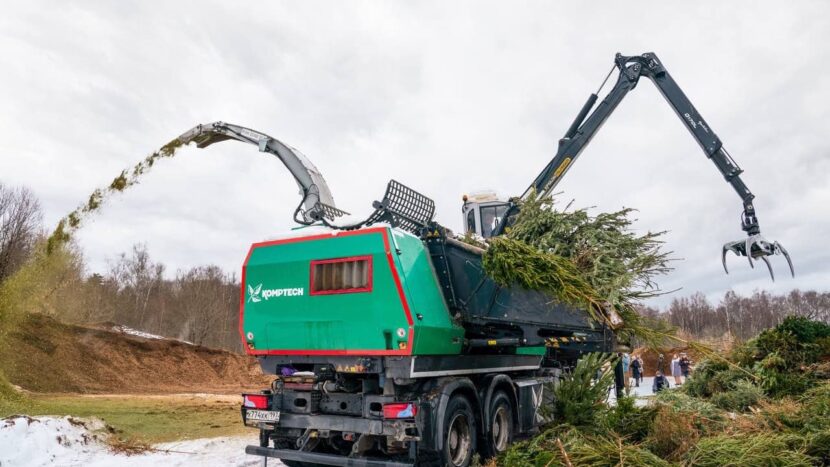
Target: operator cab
<point>482,212</point>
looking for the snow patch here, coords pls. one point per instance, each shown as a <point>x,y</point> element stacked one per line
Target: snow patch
<point>121,329</point>
<point>642,393</point>
<point>135,332</point>
<point>68,441</point>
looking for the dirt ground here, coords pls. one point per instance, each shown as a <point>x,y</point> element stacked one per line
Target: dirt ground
<point>46,356</point>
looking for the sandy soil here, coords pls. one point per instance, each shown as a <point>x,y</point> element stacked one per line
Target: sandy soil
<point>43,355</point>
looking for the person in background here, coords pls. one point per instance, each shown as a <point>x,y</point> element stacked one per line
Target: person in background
<point>626,361</point>
<point>685,366</point>
<point>642,368</point>
<point>660,382</point>
<point>660,364</point>
<point>675,369</point>
<point>635,370</point>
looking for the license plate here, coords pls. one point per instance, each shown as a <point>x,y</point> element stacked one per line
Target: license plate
<point>262,415</point>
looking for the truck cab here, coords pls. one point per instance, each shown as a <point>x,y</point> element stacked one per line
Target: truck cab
<point>482,211</point>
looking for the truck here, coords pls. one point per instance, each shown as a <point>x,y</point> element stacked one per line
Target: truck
<point>388,342</point>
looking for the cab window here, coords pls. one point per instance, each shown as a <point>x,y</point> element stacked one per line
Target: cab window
<point>490,218</point>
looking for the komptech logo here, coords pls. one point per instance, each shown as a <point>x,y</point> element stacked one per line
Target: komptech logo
<point>257,294</point>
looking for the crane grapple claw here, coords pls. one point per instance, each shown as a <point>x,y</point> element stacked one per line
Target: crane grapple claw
<point>756,247</point>
<point>769,267</point>
<point>723,258</point>
<point>777,246</point>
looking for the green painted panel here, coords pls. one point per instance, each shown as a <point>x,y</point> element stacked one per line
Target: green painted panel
<point>436,333</point>
<point>282,314</point>
<point>536,350</point>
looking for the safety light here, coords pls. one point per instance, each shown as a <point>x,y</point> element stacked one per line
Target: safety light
<point>255,401</point>
<point>400,410</point>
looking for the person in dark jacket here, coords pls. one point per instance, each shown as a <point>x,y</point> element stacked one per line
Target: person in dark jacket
<point>635,371</point>
<point>660,382</point>
<point>685,365</point>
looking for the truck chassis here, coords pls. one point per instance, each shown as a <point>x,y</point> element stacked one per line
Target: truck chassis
<point>462,405</point>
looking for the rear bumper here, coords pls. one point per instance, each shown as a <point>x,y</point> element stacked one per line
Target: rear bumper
<point>325,459</point>
<point>394,428</point>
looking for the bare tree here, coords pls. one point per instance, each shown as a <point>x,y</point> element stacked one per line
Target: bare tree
<point>203,298</point>
<point>20,221</point>
<point>744,317</point>
<point>199,305</point>
<point>140,282</point>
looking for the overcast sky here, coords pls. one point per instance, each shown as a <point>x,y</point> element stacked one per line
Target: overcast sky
<point>446,97</point>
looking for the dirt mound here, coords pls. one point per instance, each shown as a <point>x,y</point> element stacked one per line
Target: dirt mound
<point>44,355</point>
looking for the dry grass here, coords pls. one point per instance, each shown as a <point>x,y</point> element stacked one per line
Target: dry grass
<point>674,433</point>
<point>135,421</point>
<point>767,449</point>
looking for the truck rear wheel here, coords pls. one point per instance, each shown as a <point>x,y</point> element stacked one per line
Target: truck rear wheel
<point>459,433</point>
<point>501,425</point>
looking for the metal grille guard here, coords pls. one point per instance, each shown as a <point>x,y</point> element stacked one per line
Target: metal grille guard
<point>401,207</point>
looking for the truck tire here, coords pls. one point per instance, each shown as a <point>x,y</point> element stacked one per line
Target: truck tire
<point>501,425</point>
<point>459,433</point>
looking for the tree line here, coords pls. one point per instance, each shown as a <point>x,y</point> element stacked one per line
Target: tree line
<point>198,305</point>
<point>741,317</point>
<point>201,304</point>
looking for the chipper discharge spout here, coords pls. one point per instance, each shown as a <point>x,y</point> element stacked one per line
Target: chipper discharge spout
<point>317,202</point>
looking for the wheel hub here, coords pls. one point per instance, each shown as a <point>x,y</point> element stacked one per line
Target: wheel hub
<point>459,440</point>
<point>501,429</point>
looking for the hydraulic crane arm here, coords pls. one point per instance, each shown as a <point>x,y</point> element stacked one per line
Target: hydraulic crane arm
<point>585,126</point>
<point>317,202</point>
<point>401,206</point>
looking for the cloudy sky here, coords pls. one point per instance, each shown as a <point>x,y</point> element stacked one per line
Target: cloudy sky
<point>447,97</point>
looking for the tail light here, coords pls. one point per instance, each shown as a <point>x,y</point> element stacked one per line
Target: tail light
<point>255,401</point>
<point>400,410</point>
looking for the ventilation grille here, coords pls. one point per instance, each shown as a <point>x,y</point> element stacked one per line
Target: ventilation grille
<point>342,275</point>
